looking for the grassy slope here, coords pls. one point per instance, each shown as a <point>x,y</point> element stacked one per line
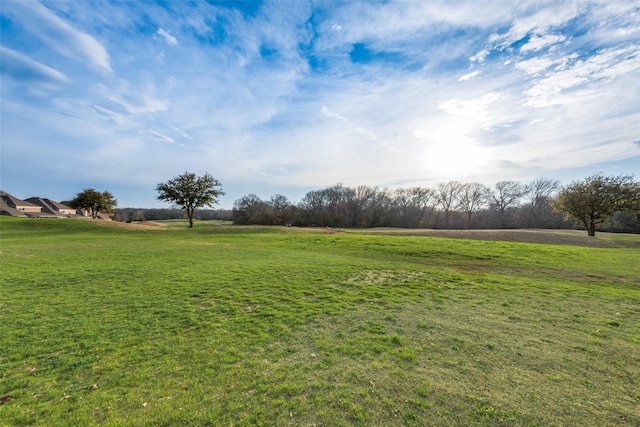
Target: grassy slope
<point>271,326</point>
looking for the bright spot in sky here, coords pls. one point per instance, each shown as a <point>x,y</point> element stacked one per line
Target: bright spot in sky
<point>448,150</point>
<point>456,158</point>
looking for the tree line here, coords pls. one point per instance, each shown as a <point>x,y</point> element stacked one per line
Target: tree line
<point>606,202</point>
<point>447,205</point>
<point>540,203</point>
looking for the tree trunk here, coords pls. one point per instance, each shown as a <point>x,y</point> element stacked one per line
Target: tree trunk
<point>190,216</point>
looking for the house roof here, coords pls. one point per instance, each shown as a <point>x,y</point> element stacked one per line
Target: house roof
<point>50,206</point>
<point>14,202</point>
<point>7,210</point>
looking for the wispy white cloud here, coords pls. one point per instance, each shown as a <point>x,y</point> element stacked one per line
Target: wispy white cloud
<point>161,137</point>
<point>476,108</point>
<point>57,33</point>
<point>537,42</point>
<point>539,23</point>
<point>468,76</point>
<point>20,67</point>
<point>182,133</point>
<point>539,64</point>
<point>171,40</point>
<point>331,115</point>
<point>361,131</point>
<point>136,99</point>
<point>480,56</point>
<point>606,64</point>
<point>141,105</point>
<point>110,115</point>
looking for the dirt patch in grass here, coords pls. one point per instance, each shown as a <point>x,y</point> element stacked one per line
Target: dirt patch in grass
<point>554,237</point>
<point>140,225</point>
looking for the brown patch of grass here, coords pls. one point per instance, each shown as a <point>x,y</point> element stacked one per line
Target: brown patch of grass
<point>142,225</point>
<point>554,237</point>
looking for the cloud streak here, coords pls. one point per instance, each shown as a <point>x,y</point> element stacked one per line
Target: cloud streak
<point>58,34</point>
<point>22,68</point>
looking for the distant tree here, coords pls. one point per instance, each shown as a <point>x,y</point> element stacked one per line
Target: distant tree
<point>312,208</point>
<point>472,198</point>
<point>381,208</point>
<point>327,207</point>
<point>507,194</point>
<point>538,193</point>
<point>402,207</point>
<point>359,205</point>
<point>281,209</point>
<point>190,192</point>
<point>411,205</point>
<point>635,207</point>
<point>594,200</point>
<point>337,200</point>
<point>446,196</point>
<point>250,209</point>
<point>93,201</point>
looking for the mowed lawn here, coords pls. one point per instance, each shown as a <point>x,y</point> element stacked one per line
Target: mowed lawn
<point>224,325</point>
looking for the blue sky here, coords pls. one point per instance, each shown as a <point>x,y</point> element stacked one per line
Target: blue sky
<point>286,97</point>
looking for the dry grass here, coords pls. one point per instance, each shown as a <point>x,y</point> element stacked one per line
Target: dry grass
<point>554,237</point>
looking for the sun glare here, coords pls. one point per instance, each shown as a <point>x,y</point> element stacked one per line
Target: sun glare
<point>455,158</point>
<point>451,154</point>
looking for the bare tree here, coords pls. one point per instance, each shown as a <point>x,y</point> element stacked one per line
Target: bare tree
<point>473,197</point>
<point>457,203</point>
<point>507,194</point>
<point>327,207</point>
<point>411,205</point>
<point>381,208</point>
<point>337,201</point>
<point>446,196</point>
<point>421,198</point>
<point>539,193</point>
<point>360,202</point>
<point>312,207</point>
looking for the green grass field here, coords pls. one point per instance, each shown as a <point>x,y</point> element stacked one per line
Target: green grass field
<point>225,325</point>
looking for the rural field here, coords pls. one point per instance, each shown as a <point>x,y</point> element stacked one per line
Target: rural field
<point>157,324</point>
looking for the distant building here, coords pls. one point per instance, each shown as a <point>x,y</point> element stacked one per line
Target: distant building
<point>39,207</point>
<point>13,206</point>
<point>52,207</point>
